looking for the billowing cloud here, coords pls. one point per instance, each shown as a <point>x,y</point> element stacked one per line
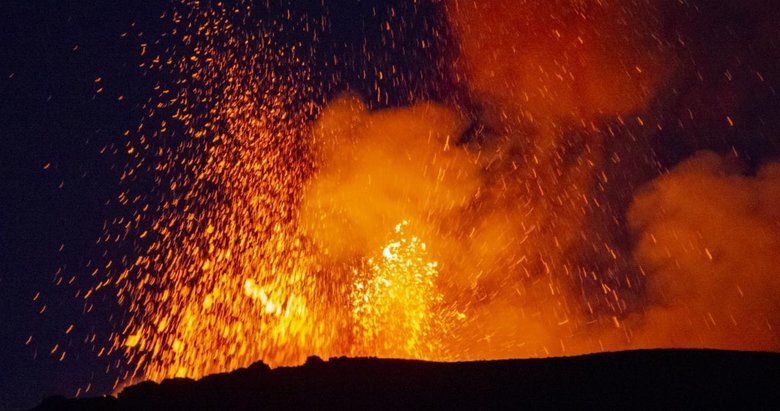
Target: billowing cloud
<point>561,59</point>
<point>381,168</point>
<point>708,242</point>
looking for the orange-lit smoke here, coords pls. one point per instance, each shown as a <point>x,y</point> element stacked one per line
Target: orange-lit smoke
<point>501,284</point>
<point>506,211</point>
<point>708,241</point>
<point>548,76</point>
<point>560,60</point>
<point>378,169</point>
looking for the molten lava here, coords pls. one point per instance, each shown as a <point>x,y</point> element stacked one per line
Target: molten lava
<point>396,306</point>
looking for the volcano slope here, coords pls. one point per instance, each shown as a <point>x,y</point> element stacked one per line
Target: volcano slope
<point>630,379</point>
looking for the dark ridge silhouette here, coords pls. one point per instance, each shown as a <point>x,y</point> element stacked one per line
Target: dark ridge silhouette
<point>632,379</point>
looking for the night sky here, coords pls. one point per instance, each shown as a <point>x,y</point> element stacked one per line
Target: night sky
<point>52,54</point>
<point>57,186</point>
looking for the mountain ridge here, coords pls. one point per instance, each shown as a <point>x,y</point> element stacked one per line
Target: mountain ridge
<point>641,378</point>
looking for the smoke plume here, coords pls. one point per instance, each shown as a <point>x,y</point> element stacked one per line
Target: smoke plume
<point>500,269</point>
<point>505,200</point>
<point>548,62</point>
<point>378,169</point>
<point>708,241</point>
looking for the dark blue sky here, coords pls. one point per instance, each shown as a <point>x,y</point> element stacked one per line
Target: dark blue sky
<point>49,114</point>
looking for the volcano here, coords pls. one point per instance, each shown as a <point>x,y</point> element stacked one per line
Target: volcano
<point>417,190</point>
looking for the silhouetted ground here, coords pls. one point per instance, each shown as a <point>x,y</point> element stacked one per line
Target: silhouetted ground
<point>633,379</point>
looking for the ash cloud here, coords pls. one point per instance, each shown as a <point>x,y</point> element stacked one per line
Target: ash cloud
<point>380,168</point>
<point>561,60</point>
<point>497,246</point>
<point>516,204</point>
<point>708,242</point>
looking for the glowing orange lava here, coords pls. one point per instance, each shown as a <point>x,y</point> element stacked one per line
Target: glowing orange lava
<point>396,305</point>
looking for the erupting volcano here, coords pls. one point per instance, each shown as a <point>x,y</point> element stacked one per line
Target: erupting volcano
<point>274,207</point>
<point>446,180</point>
